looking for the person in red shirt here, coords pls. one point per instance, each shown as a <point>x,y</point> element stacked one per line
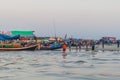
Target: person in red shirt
<point>64,47</point>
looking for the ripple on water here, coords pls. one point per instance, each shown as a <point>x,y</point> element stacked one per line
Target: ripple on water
<point>81,61</point>
<point>29,65</point>
<point>4,68</point>
<point>101,59</point>
<point>7,76</point>
<point>39,65</point>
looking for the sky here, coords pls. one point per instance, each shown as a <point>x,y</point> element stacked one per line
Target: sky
<point>76,18</point>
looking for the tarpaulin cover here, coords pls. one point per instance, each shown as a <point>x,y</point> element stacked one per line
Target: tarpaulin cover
<point>6,37</point>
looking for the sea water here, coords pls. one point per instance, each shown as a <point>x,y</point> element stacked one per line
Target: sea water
<point>51,65</point>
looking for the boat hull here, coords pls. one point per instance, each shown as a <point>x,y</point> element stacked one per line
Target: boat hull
<point>43,48</point>
<point>32,47</point>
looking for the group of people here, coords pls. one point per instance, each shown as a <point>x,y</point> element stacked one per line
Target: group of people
<point>77,45</point>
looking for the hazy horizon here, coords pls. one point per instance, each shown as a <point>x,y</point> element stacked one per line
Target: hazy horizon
<point>76,18</point>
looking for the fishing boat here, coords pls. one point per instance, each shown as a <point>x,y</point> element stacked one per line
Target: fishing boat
<point>7,43</point>
<point>31,47</point>
<point>51,47</point>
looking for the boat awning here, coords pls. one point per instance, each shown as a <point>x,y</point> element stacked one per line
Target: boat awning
<point>22,33</point>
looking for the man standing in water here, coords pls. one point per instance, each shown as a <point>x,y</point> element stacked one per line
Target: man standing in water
<point>64,47</point>
<point>118,43</point>
<point>69,45</point>
<point>93,45</point>
<point>103,42</point>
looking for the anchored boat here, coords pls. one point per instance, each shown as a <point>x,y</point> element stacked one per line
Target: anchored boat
<point>30,47</point>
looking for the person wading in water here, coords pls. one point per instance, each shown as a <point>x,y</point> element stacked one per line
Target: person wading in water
<point>64,47</point>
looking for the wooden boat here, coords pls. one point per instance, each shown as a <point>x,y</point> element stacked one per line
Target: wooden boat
<point>51,47</point>
<point>48,48</point>
<point>31,47</point>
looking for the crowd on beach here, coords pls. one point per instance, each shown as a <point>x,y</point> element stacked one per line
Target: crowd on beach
<point>83,43</point>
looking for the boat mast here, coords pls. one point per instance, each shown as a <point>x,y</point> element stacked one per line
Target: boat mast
<point>54,27</point>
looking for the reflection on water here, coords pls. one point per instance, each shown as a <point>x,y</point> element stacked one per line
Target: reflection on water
<point>52,65</point>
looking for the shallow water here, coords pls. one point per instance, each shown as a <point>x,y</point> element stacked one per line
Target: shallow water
<point>50,65</point>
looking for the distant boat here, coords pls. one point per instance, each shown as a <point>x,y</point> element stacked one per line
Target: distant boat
<point>31,47</point>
